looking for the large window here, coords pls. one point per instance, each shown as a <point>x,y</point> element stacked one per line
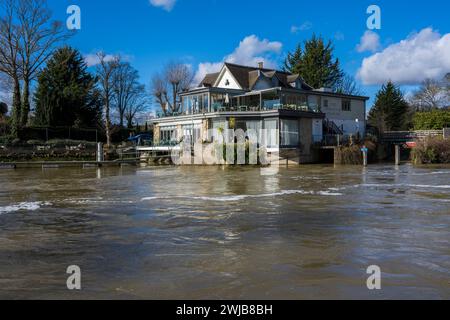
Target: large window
<point>289,133</point>
<point>168,134</point>
<point>271,137</point>
<point>196,103</point>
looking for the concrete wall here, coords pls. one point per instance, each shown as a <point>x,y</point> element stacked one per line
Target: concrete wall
<point>156,134</point>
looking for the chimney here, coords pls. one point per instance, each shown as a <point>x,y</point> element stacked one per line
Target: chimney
<point>261,65</point>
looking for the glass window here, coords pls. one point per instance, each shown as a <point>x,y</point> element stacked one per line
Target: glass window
<point>271,136</point>
<point>346,105</point>
<point>289,133</point>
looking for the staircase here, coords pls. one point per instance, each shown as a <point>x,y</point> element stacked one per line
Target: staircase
<point>330,128</point>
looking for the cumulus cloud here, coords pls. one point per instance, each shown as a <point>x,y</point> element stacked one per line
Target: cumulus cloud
<point>304,27</point>
<point>421,55</point>
<point>92,59</point>
<point>165,4</point>
<point>250,51</point>
<point>370,41</point>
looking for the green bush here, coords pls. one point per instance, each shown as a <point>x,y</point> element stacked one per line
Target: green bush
<point>432,120</point>
<point>433,150</point>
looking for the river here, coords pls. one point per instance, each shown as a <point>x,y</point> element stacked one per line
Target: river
<point>306,232</point>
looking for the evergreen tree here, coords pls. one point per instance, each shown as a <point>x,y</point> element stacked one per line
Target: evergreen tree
<point>66,94</point>
<point>3,109</point>
<point>390,112</point>
<point>315,63</point>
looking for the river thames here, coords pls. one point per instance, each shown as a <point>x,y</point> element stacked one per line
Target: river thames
<point>306,232</point>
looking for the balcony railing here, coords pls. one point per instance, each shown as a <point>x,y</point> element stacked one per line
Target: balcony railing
<point>244,108</point>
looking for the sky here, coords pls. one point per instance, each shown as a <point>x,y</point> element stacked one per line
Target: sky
<point>412,44</point>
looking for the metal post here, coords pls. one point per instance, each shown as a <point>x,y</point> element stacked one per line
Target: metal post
<point>365,152</point>
<point>100,157</point>
<point>397,155</point>
<point>365,158</point>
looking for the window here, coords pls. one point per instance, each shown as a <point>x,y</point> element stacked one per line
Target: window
<point>289,133</point>
<point>270,137</point>
<point>346,105</point>
<point>168,134</point>
<point>325,103</point>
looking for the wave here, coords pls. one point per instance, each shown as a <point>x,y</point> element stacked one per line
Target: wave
<point>24,206</point>
<point>235,198</point>
<point>423,186</point>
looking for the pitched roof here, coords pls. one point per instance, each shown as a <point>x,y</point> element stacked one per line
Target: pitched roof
<point>209,79</point>
<point>248,76</point>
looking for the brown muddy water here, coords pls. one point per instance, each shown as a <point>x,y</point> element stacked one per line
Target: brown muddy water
<point>225,233</point>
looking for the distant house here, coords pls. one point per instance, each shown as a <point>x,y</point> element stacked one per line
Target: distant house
<point>242,97</point>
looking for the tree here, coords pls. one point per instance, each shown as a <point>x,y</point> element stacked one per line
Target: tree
<point>38,36</point>
<point>315,63</point>
<point>347,85</point>
<point>3,109</point>
<point>435,119</point>
<point>9,57</point>
<point>106,75</point>
<point>127,90</point>
<point>432,95</point>
<point>66,93</point>
<point>176,76</point>
<point>390,112</point>
<point>138,104</point>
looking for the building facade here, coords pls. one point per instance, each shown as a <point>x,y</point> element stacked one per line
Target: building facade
<point>256,98</point>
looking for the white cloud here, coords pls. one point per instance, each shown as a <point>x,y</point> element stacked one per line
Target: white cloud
<point>91,59</point>
<point>250,51</point>
<point>370,41</point>
<point>304,27</point>
<point>165,4</point>
<point>422,55</point>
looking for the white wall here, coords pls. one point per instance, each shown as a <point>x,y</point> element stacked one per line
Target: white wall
<point>347,119</point>
<point>226,75</point>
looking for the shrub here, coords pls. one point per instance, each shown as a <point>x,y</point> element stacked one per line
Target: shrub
<point>431,120</point>
<point>432,150</point>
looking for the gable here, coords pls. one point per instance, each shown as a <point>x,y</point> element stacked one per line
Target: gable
<point>227,80</point>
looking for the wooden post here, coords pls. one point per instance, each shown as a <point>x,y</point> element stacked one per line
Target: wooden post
<point>397,155</point>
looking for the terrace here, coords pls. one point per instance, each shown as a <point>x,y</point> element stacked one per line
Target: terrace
<point>216,100</point>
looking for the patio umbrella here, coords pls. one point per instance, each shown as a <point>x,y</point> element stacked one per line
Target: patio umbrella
<point>227,99</point>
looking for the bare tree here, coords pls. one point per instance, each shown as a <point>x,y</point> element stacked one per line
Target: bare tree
<point>38,36</point>
<point>159,91</point>
<point>126,89</point>
<point>431,95</point>
<point>178,77</point>
<point>348,85</point>
<point>9,56</point>
<point>106,75</point>
<point>137,105</point>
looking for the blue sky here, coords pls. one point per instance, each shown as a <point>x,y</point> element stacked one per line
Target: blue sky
<point>203,33</point>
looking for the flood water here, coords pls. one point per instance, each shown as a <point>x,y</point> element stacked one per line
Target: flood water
<point>225,233</point>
